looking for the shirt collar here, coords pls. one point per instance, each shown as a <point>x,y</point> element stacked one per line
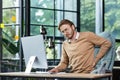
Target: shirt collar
<point>77,36</point>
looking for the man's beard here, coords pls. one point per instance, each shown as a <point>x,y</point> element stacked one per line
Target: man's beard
<point>71,36</point>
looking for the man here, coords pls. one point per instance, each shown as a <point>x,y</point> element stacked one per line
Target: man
<point>78,49</point>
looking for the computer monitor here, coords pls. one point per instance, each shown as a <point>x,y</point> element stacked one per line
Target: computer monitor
<point>34,52</point>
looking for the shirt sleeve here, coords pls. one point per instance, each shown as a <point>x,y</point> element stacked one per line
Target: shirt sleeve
<point>64,60</point>
<point>102,42</point>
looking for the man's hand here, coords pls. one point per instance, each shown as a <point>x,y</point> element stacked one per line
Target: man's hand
<point>54,70</point>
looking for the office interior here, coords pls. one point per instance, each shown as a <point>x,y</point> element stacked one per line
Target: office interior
<point>20,18</point>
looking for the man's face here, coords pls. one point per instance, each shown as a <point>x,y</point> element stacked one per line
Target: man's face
<point>67,30</point>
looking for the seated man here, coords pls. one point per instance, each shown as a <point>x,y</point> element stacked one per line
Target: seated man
<point>78,49</point>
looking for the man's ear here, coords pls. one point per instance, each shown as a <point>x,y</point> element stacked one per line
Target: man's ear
<point>73,27</point>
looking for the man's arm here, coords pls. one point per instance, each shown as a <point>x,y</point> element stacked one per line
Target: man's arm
<point>63,63</point>
<point>103,43</point>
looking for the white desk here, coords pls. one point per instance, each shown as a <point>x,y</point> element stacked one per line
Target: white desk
<point>61,75</point>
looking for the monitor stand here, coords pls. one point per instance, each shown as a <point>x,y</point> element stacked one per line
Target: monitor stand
<point>30,64</point>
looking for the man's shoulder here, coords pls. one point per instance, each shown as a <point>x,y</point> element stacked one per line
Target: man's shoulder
<point>86,33</point>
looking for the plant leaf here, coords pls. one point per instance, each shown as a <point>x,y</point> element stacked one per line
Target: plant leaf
<point>10,46</point>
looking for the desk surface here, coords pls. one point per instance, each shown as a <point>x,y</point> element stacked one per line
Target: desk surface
<point>116,67</point>
<point>58,75</point>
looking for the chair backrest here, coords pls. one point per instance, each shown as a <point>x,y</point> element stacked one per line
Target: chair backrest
<point>109,57</point>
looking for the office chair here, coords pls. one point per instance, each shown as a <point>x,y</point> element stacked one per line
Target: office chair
<point>105,65</point>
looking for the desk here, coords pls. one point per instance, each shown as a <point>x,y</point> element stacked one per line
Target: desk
<point>59,75</point>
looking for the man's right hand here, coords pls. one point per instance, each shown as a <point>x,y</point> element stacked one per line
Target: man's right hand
<point>54,70</point>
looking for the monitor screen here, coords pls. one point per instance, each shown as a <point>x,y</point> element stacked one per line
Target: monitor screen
<point>34,46</point>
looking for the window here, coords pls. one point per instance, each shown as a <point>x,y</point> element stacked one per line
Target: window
<point>87,15</point>
<point>111,17</point>
<point>11,27</point>
<point>48,13</point>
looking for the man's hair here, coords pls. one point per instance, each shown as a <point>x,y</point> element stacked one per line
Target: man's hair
<point>65,21</point>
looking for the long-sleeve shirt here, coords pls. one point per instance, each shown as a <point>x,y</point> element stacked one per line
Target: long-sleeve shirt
<point>80,53</point>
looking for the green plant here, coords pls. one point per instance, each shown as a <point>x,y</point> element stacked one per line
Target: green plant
<point>9,44</point>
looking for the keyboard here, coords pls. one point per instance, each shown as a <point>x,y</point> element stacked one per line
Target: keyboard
<point>43,72</point>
